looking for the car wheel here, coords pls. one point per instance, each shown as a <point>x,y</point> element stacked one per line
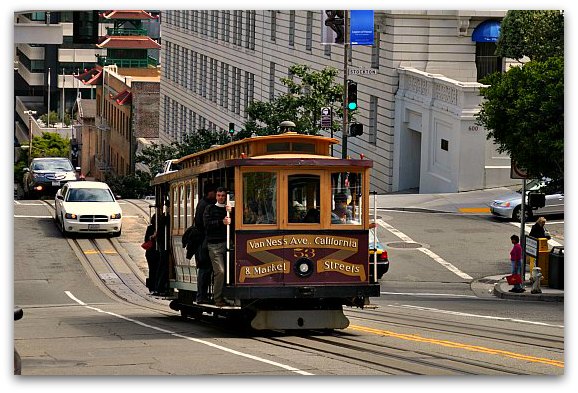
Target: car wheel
<point>518,217</point>
<point>64,231</point>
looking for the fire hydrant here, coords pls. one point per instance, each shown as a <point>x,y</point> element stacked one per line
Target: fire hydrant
<point>536,278</point>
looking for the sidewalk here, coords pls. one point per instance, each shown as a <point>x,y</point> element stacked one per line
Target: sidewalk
<point>501,290</point>
<point>477,201</point>
<point>469,202</point>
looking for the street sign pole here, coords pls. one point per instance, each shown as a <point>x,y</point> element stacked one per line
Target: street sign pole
<point>523,228</point>
<point>345,110</point>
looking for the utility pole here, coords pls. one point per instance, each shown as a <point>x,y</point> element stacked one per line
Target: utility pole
<point>30,113</point>
<point>345,71</point>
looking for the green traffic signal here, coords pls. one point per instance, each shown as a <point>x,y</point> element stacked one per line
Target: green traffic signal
<point>351,95</point>
<point>231,128</point>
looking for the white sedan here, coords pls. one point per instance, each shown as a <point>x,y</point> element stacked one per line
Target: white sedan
<point>87,207</point>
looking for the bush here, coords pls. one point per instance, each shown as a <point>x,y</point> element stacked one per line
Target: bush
<point>130,186</point>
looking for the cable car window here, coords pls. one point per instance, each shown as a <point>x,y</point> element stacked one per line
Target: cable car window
<point>260,198</point>
<point>346,192</point>
<point>304,196</point>
<point>277,147</point>
<point>303,147</point>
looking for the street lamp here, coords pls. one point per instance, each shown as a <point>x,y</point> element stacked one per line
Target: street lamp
<point>30,113</point>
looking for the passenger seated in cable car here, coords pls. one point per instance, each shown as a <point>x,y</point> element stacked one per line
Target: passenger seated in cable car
<point>341,214</point>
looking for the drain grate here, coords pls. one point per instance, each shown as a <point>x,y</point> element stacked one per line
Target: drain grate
<point>404,245</point>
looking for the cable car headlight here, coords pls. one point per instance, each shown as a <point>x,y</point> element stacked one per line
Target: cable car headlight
<point>303,267</point>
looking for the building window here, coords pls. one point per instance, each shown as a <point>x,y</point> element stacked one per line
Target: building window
<point>309,31</point>
<point>203,78</point>
<point>226,26</point>
<point>193,71</point>
<point>238,28</point>
<point>291,28</point>
<point>486,61</point>
<point>238,92</point>
<point>445,144</point>
<point>249,89</point>
<point>271,81</point>
<point>273,25</point>
<point>250,29</point>
<point>372,132</point>
<point>327,50</point>
<point>375,50</point>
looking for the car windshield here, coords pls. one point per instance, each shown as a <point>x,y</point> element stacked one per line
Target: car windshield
<point>56,165</point>
<point>89,195</point>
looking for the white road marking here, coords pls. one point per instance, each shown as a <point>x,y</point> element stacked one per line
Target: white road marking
<point>21,216</point>
<point>204,342</point>
<point>426,251</point>
<point>551,242</point>
<point>463,314</point>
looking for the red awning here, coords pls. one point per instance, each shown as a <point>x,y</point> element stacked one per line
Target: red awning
<point>128,42</point>
<point>91,77</point>
<point>124,97</point>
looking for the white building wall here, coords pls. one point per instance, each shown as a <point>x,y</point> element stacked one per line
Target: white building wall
<point>431,41</point>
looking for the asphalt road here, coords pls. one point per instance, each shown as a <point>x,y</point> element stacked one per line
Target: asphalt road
<point>431,319</point>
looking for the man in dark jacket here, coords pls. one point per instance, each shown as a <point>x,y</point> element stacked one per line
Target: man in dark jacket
<point>204,266</point>
<point>152,255</point>
<point>216,222</point>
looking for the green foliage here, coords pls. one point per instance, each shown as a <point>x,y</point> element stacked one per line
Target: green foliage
<point>155,155</point>
<point>53,116</point>
<point>524,113</point>
<point>50,144</point>
<point>201,140</point>
<point>538,34</point>
<point>131,186</point>
<point>19,168</point>
<point>308,92</point>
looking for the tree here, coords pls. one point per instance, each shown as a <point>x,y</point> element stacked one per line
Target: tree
<point>50,144</point>
<point>308,91</point>
<point>155,155</point>
<point>524,114</point>
<point>537,34</point>
<point>523,109</point>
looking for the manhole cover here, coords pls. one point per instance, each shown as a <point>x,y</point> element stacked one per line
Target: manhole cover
<point>403,245</point>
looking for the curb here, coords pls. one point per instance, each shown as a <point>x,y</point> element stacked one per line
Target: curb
<point>529,296</point>
<point>414,209</point>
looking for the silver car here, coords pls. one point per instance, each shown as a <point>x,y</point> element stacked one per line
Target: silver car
<point>509,206</point>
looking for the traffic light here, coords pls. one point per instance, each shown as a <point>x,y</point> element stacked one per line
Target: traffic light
<point>536,199</point>
<point>231,128</point>
<point>351,95</point>
<point>355,129</point>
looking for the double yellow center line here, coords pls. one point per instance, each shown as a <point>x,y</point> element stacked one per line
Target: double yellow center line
<point>451,344</point>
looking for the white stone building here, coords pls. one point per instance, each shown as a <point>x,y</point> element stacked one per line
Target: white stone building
<point>418,110</point>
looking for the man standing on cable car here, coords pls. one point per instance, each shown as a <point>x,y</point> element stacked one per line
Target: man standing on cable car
<point>216,221</point>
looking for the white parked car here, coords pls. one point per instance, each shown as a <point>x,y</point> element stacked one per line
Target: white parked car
<point>87,207</point>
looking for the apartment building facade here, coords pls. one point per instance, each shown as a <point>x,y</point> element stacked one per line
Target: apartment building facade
<point>417,108</point>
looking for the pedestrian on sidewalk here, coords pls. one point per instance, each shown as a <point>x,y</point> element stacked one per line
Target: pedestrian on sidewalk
<point>516,261</point>
<point>539,229</point>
